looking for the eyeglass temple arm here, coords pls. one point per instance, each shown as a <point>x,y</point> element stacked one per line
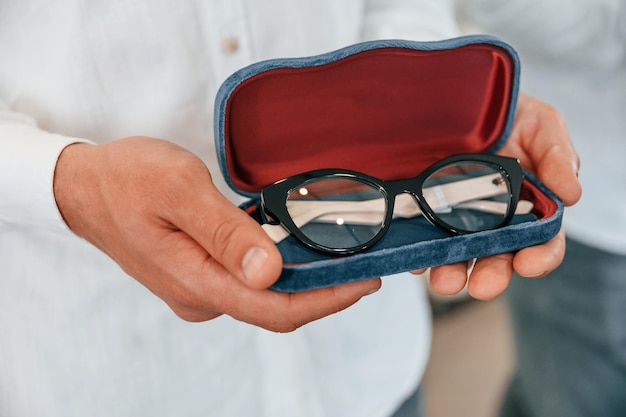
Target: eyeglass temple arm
<point>368,212</point>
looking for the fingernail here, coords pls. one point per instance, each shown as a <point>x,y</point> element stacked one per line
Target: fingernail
<point>253,261</point>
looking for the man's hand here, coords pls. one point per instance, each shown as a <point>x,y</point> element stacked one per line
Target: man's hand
<point>152,207</point>
<point>541,142</point>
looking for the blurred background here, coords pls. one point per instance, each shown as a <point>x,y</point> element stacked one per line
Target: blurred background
<point>472,355</point>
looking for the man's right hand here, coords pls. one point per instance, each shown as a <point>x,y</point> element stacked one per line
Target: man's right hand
<point>152,207</point>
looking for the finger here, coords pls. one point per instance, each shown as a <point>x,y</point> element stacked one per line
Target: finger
<point>538,261</point>
<point>180,272</point>
<point>449,279</point>
<point>541,141</point>
<point>283,312</point>
<point>233,239</point>
<point>199,288</point>
<point>419,271</point>
<point>490,276</point>
<point>558,169</point>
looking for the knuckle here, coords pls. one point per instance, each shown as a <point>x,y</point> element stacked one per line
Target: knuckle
<point>189,307</point>
<point>185,299</point>
<point>554,114</point>
<point>283,319</point>
<point>223,236</point>
<point>282,326</point>
<point>194,316</point>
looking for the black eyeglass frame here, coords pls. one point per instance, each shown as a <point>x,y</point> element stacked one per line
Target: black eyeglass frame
<point>274,196</point>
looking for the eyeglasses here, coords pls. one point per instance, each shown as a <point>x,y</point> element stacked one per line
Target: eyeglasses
<point>343,212</point>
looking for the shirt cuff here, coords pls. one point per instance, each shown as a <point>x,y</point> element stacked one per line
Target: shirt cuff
<point>28,157</point>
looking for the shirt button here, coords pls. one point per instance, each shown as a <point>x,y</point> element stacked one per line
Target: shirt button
<point>230,45</point>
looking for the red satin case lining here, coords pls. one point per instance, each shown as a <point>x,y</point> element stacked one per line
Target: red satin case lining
<point>386,112</point>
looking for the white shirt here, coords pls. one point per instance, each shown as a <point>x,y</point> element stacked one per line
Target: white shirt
<point>574,57</point>
<point>78,337</point>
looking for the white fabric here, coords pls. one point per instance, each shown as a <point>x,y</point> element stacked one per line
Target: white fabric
<point>574,57</point>
<point>80,338</point>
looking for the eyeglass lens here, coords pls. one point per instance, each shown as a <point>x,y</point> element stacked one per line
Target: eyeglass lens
<point>477,196</point>
<point>337,212</point>
<point>343,212</point>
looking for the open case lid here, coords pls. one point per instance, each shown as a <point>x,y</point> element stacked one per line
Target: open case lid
<point>386,108</point>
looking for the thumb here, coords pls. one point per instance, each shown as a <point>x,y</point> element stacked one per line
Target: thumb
<point>233,239</point>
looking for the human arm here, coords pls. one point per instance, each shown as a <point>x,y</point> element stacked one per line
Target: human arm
<point>113,196</point>
<point>152,207</point>
<point>540,141</point>
<point>28,156</point>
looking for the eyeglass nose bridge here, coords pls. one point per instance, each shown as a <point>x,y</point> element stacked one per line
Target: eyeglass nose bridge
<point>405,200</point>
<point>406,204</point>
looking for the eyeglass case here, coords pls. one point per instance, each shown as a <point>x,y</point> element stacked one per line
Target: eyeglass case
<point>389,109</point>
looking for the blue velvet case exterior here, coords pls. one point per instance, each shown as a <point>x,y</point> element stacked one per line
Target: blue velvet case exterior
<point>409,244</point>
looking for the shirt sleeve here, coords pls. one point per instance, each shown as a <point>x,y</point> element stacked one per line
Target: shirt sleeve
<point>28,157</point>
<point>420,20</point>
<point>584,33</point>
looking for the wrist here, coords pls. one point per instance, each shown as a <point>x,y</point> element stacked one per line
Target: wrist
<point>70,173</point>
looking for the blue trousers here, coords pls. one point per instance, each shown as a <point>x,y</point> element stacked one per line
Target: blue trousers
<point>570,337</point>
<point>412,407</point>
